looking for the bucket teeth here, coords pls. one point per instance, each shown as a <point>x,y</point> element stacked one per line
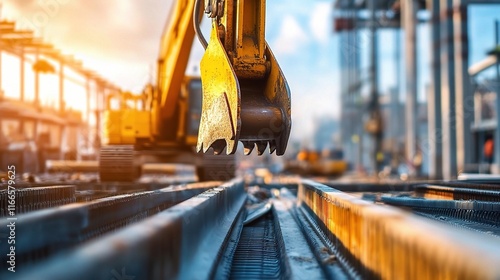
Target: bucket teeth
<point>219,146</point>
<point>249,146</point>
<point>240,105</point>
<point>261,147</point>
<point>272,146</point>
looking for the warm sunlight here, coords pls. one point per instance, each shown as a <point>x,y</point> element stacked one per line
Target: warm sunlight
<point>48,85</point>
<point>281,139</point>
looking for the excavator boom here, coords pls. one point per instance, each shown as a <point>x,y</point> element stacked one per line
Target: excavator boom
<point>175,49</point>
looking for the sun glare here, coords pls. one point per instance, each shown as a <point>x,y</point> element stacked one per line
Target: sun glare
<point>74,85</point>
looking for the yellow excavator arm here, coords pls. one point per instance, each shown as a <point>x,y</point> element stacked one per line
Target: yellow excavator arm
<point>175,49</point>
<point>245,94</point>
<point>174,53</point>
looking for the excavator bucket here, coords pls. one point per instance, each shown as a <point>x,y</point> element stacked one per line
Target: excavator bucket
<point>245,100</point>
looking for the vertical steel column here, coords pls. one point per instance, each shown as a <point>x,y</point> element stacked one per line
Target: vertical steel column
<point>1,82</point>
<point>448,111</point>
<point>1,86</point>
<point>64,128</point>
<point>61,86</point>
<point>409,17</point>
<point>87,88</point>
<point>434,100</point>
<point>21,78</point>
<point>344,109</point>
<point>395,118</point>
<point>356,115</point>
<point>21,88</point>
<point>497,129</point>
<point>464,98</point>
<point>347,53</point>
<point>37,80</point>
<point>395,93</point>
<point>98,99</point>
<point>1,89</point>
<point>374,107</point>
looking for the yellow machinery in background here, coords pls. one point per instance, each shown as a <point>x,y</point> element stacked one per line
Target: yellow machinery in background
<point>310,162</point>
<point>131,139</point>
<point>245,98</point>
<point>126,121</point>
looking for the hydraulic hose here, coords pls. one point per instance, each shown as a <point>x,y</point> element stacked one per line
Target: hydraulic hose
<point>196,24</point>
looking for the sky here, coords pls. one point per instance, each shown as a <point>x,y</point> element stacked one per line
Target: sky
<point>120,39</point>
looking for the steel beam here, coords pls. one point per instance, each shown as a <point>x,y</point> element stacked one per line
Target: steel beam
<point>394,122</point>
<point>1,82</point>
<point>448,108</point>
<point>181,242</point>
<point>464,98</point>
<point>409,16</point>
<point>21,84</point>
<point>481,2</point>
<point>87,111</point>
<point>374,106</point>
<point>63,227</point>
<point>37,82</point>
<point>383,242</point>
<point>61,86</point>
<point>435,147</point>
<point>2,28</point>
<point>497,102</point>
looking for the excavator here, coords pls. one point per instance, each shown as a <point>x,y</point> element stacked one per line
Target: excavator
<point>241,96</point>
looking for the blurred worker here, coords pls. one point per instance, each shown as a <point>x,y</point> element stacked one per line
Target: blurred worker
<point>488,150</point>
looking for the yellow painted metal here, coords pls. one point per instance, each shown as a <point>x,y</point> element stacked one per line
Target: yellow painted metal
<point>111,127</point>
<point>191,140</point>
<point>249,61</point>
<point>174,55</point>
<point>142,124</point>
<point>127,126</point>
<point>220,120</point>
<point>388,243</point>
<point>126,123</point>
<point>245,94</point>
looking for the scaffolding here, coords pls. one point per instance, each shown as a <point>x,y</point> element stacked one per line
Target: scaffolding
<point>32,115</point>
<point>449,145</point>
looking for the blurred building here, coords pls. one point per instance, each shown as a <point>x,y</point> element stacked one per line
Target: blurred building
<point>432,120</point>
<point>326,134</point>
<point>35,122</point>
<point>485,84</point>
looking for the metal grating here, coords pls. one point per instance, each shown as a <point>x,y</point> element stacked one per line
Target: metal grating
<point>258,253</point>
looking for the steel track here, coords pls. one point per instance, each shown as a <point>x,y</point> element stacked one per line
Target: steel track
<point>458,192</point>
<point>44,233</point>
<point>321,233</point>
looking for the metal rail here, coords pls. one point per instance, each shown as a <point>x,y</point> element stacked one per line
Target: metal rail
<point>307,250</point>
<point>321,233</point>
<point>182,242</point>
<point>30,199</point>
<point>385,242</point>
<point>258,254</point>
<point>486,215</point>
<point>457,193</point>
<point>372,187</point>
<point>275,246</point>
<point>43,233</point>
